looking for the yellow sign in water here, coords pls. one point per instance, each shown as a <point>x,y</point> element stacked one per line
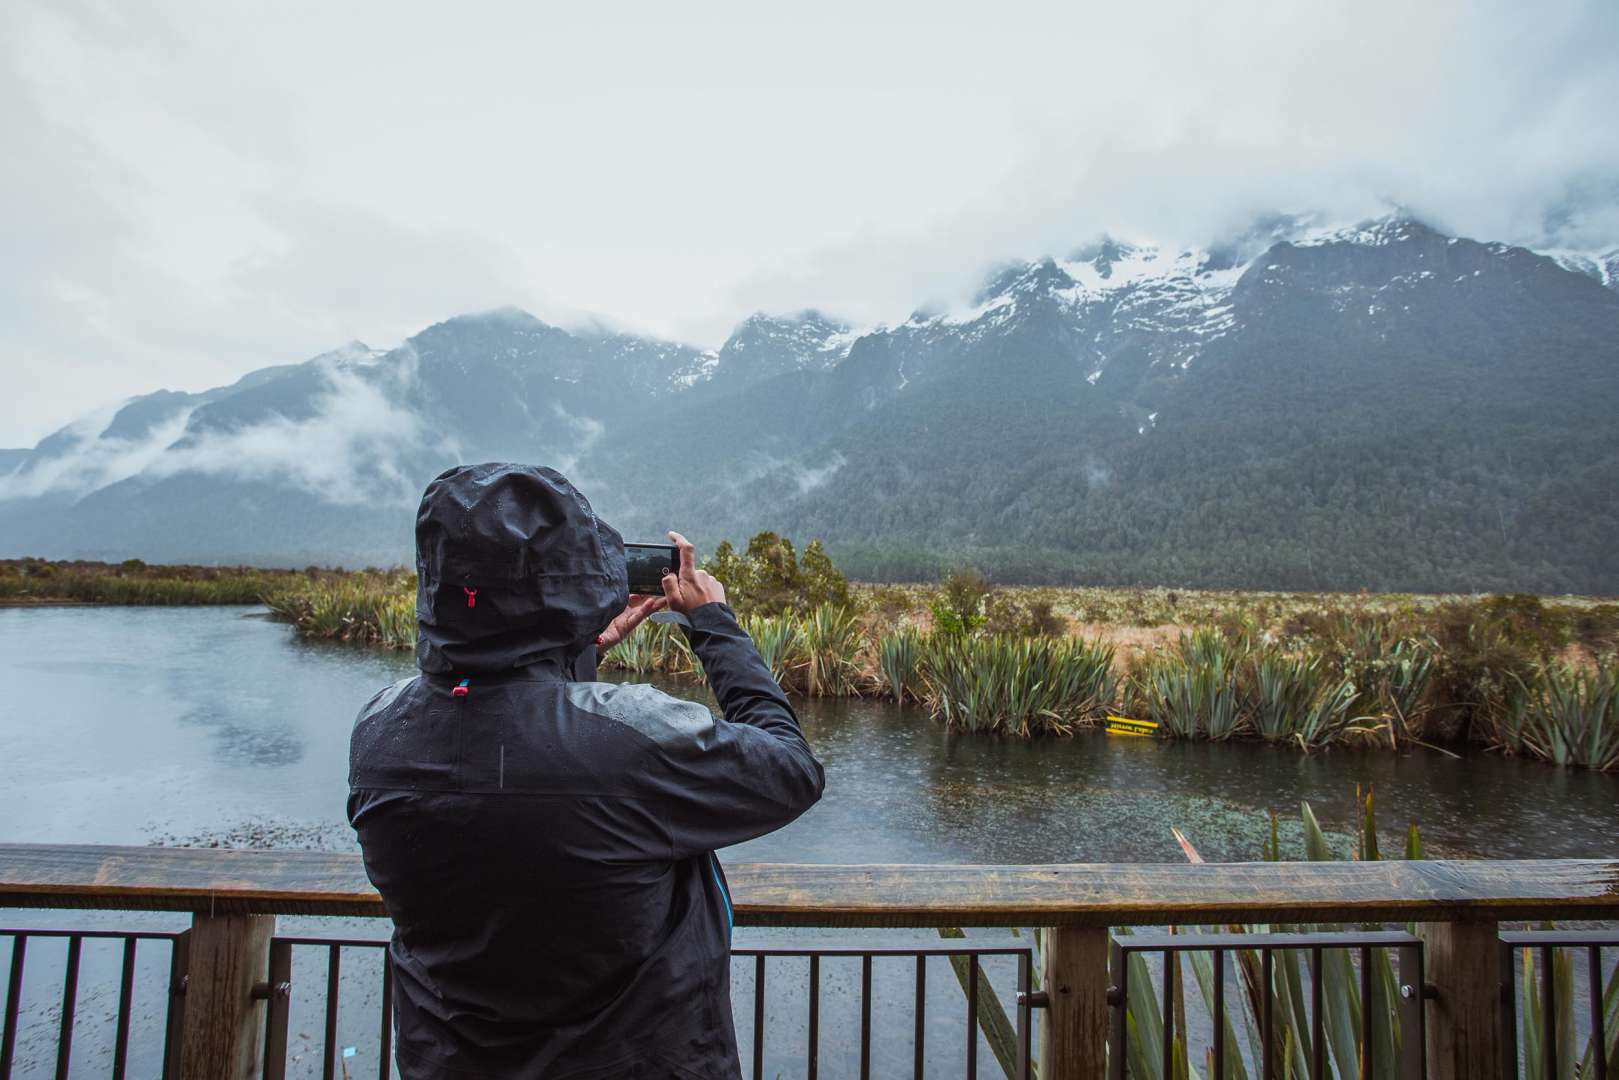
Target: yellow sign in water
<point>1125,725</point>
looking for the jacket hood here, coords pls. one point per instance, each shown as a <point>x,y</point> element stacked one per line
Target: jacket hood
<point>512,567</point>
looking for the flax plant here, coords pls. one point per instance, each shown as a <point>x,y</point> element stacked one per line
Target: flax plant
<point>1289,990</point>
<point>1572,716</point>
<point>1297,699</point>
<point>899,656</point>
<point>779,639</point>
<point>1194,690</point>
<point>832,643</point>
<point>351,609</point>
<point>1531,1025</point>
<point>1015,685</point>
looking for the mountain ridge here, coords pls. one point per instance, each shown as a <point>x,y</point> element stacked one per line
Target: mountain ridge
<point>1002,431</point>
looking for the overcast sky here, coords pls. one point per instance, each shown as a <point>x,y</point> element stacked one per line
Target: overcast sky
<point>189,191</point>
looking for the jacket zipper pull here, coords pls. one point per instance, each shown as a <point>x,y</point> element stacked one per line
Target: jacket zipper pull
<point>472,596</point>
<point>460,690</point>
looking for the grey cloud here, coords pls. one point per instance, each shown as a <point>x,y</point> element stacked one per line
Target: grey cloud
<point>191,192</point>
<point>350,450</point>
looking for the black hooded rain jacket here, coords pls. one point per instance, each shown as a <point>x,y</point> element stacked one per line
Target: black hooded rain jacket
<point>543,842</point>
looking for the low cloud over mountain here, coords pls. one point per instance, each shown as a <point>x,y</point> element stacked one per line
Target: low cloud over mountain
<point>1378,406</point>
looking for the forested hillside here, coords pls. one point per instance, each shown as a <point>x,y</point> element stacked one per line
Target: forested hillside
<point>1382,407</point>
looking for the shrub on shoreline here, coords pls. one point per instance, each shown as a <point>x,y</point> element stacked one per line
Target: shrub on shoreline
<point>1528,676</point>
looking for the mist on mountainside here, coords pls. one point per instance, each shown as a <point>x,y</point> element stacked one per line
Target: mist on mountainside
<point>1379,406</point>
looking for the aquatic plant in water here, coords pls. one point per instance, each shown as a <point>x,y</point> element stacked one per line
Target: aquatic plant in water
<point>1194,690</point>
<point>778,639</point>
<point>358,608</point>
<point>832,643</point>
<point>1016,685</point>
<point>1297,698</point>
<point>1571,716</point>
<point>898,657</point>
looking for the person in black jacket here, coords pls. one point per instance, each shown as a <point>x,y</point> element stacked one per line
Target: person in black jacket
<point>543,842</point>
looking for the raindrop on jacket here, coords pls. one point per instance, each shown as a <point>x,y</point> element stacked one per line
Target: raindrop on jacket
<point>544,842</point>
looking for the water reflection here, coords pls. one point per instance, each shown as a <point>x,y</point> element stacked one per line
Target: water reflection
<point>104,707</point>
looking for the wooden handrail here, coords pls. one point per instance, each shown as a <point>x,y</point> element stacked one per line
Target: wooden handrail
<point>217,881</point>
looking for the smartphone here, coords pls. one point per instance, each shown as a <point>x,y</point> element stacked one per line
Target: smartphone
<point>647,563</point>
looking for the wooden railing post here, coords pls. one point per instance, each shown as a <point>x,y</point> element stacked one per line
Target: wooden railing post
<point>1463,964</point>
<point>223,1027</point>
<point>1074,1044</point>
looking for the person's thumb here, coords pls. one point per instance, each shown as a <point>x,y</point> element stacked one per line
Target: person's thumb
<point>671,588</point>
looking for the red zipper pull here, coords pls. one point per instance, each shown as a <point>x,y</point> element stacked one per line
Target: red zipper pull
<point>472,596</point>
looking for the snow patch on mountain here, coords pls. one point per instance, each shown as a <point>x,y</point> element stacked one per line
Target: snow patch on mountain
<point>1378,232</point>
<point>1601,266</point>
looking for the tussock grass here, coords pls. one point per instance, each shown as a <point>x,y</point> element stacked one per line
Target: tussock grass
<point>36,581</point>
<point>1522,675</point>
<point>1015,685</point>
<point>377,609</point>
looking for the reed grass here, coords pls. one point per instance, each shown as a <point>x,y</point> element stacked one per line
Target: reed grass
<point>779,639</point>
<point>353,609</point>
<point>35,581</point>
<point>1018,686</point>
<point>1195,690</point>
<point>1525,675</point>
<point>832,645</point>
<point>1342,1003</point>
<point>1297,699</point>
<point>1571,717</point>
<point>899,657</point>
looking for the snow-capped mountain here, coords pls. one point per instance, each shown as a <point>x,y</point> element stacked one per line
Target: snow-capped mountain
<point>764,346</point>
<point>1378,405</point>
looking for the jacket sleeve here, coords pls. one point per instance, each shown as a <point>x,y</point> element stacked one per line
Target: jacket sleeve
<point>751,772</point>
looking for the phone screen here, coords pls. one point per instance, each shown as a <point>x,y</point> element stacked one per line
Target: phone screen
<point>647,563</point>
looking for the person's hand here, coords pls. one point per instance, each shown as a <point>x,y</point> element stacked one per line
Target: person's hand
<point>625,622</point>
<point>690,588</point>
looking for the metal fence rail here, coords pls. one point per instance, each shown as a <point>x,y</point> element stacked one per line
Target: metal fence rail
<point>177,942</point>
<point>279,990</point>
<point>1545,944</point>
<point>1168,946</point>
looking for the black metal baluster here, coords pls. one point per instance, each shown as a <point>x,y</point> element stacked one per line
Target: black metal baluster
<point>919,1040</point>
<point>1219,1015</point>
<point>126,993</point>
<point>1599,1037</point>
<point>815,1018</point>
<point>1267,1018</point>
<point>759,1017</point>
<point>385,1038</point>
<point>334,965</point>
<point>1365,1013</point>
<point>276,1011</point>
<point>1168,1047</point>
<point>8,1038</point>
<point>972,1017</point>
<point>1413,1025</point>
<point>1023,1017</point>
<point>179,973</point>
<point>1118,966</point>
<point>70,1002</point>
<point>1549,1010</point>
<point>865,1017</point>
<point>1508,999</point>
<point>1318,1020</point>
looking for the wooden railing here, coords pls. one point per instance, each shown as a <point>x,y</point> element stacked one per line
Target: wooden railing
<point>234,896</point>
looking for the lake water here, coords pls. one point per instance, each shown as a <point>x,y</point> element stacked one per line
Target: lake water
<point>203,725</point>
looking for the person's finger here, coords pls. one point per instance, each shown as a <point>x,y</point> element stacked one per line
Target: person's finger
<point>640,608</point>
<point>671,588</point>
<point>687,559</point>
